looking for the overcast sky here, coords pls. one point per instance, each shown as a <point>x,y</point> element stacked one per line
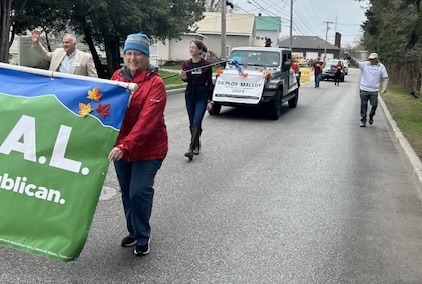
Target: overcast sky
<point>309,16</point>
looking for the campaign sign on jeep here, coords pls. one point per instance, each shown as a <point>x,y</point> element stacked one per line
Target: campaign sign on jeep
<point>55,135</point>
<point>230,87</point>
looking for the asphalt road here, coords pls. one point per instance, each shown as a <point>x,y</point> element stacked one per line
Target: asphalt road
<point>309,198</point>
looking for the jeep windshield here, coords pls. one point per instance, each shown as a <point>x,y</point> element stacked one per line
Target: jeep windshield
<point>256,58</point>
<point>332,62</point>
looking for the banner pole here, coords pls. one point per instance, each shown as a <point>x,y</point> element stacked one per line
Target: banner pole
<point>197,68</point>
<point>55,74</point>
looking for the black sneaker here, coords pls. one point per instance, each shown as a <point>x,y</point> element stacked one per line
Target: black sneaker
<point>142,249</point>
<point>189,154</point>
<point>371,119</point>
<point>128,241</point>
<point>362,124</point>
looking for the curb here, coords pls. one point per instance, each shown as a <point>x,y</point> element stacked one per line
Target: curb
<point>404,147</point>
<point>175,91</point>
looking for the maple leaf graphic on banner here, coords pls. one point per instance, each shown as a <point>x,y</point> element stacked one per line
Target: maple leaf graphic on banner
<point>103,110</point>
<point>95,96</point>
<point>85,109</point>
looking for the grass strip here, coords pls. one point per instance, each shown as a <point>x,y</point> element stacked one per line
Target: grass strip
<point>406,110</point>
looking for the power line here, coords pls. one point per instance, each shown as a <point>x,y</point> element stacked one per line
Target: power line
<point>303,24</point>
<point>260,7</point>
<point>263,19</point>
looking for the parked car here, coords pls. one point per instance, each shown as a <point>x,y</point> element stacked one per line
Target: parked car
<point>330,68</point>
<point>346,66</point>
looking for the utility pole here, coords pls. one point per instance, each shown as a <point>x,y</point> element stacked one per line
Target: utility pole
<point>326,38</point>
<point>223,29</point>
<point>291,24</point>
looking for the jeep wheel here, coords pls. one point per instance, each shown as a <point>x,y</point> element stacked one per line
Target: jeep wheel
<point>215,110</point>
<point>274,107</point>
<point>293,102</point>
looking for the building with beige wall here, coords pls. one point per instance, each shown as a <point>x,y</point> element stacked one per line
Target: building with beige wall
<point>240,31</point>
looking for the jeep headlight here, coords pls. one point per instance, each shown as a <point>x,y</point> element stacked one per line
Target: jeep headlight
<point>271,85</point>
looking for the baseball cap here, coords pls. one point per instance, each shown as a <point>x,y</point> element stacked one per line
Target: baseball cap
<point>373,56</point>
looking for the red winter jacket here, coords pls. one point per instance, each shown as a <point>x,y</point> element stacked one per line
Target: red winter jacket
<point>143,134</point>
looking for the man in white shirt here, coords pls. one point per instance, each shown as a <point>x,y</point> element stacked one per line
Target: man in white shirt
<point>67,59</point>
<point>374,75</point>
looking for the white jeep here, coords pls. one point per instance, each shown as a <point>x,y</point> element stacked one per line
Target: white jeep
<point>257,76</point>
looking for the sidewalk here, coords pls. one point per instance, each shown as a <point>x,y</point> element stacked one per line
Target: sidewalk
<point>173,91</point>
<point>169,70</point>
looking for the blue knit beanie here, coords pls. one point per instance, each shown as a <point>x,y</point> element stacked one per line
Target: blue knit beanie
<point>139,42</point>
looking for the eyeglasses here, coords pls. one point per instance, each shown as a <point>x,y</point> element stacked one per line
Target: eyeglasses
<point>133,53</point>
<point>372,58</point>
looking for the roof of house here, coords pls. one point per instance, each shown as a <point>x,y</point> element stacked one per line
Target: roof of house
<point>308,42</point>
<point>238,24</point>
<point>268,23</point>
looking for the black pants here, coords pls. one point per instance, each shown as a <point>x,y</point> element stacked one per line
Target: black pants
<point>337,78</point>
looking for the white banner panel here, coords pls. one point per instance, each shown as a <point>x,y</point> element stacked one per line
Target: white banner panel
<point>235,88</point>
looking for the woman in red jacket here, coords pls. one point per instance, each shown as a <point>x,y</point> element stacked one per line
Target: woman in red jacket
<point>142,143</point>
<point>198,92</point>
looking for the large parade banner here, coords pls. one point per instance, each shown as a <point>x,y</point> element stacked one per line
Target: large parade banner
<point>56,131</point>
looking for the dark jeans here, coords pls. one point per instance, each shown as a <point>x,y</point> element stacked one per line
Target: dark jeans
<point>318,78</point>
<point>136,180</point>
<point>365,96</point>
<point>196,108</point>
